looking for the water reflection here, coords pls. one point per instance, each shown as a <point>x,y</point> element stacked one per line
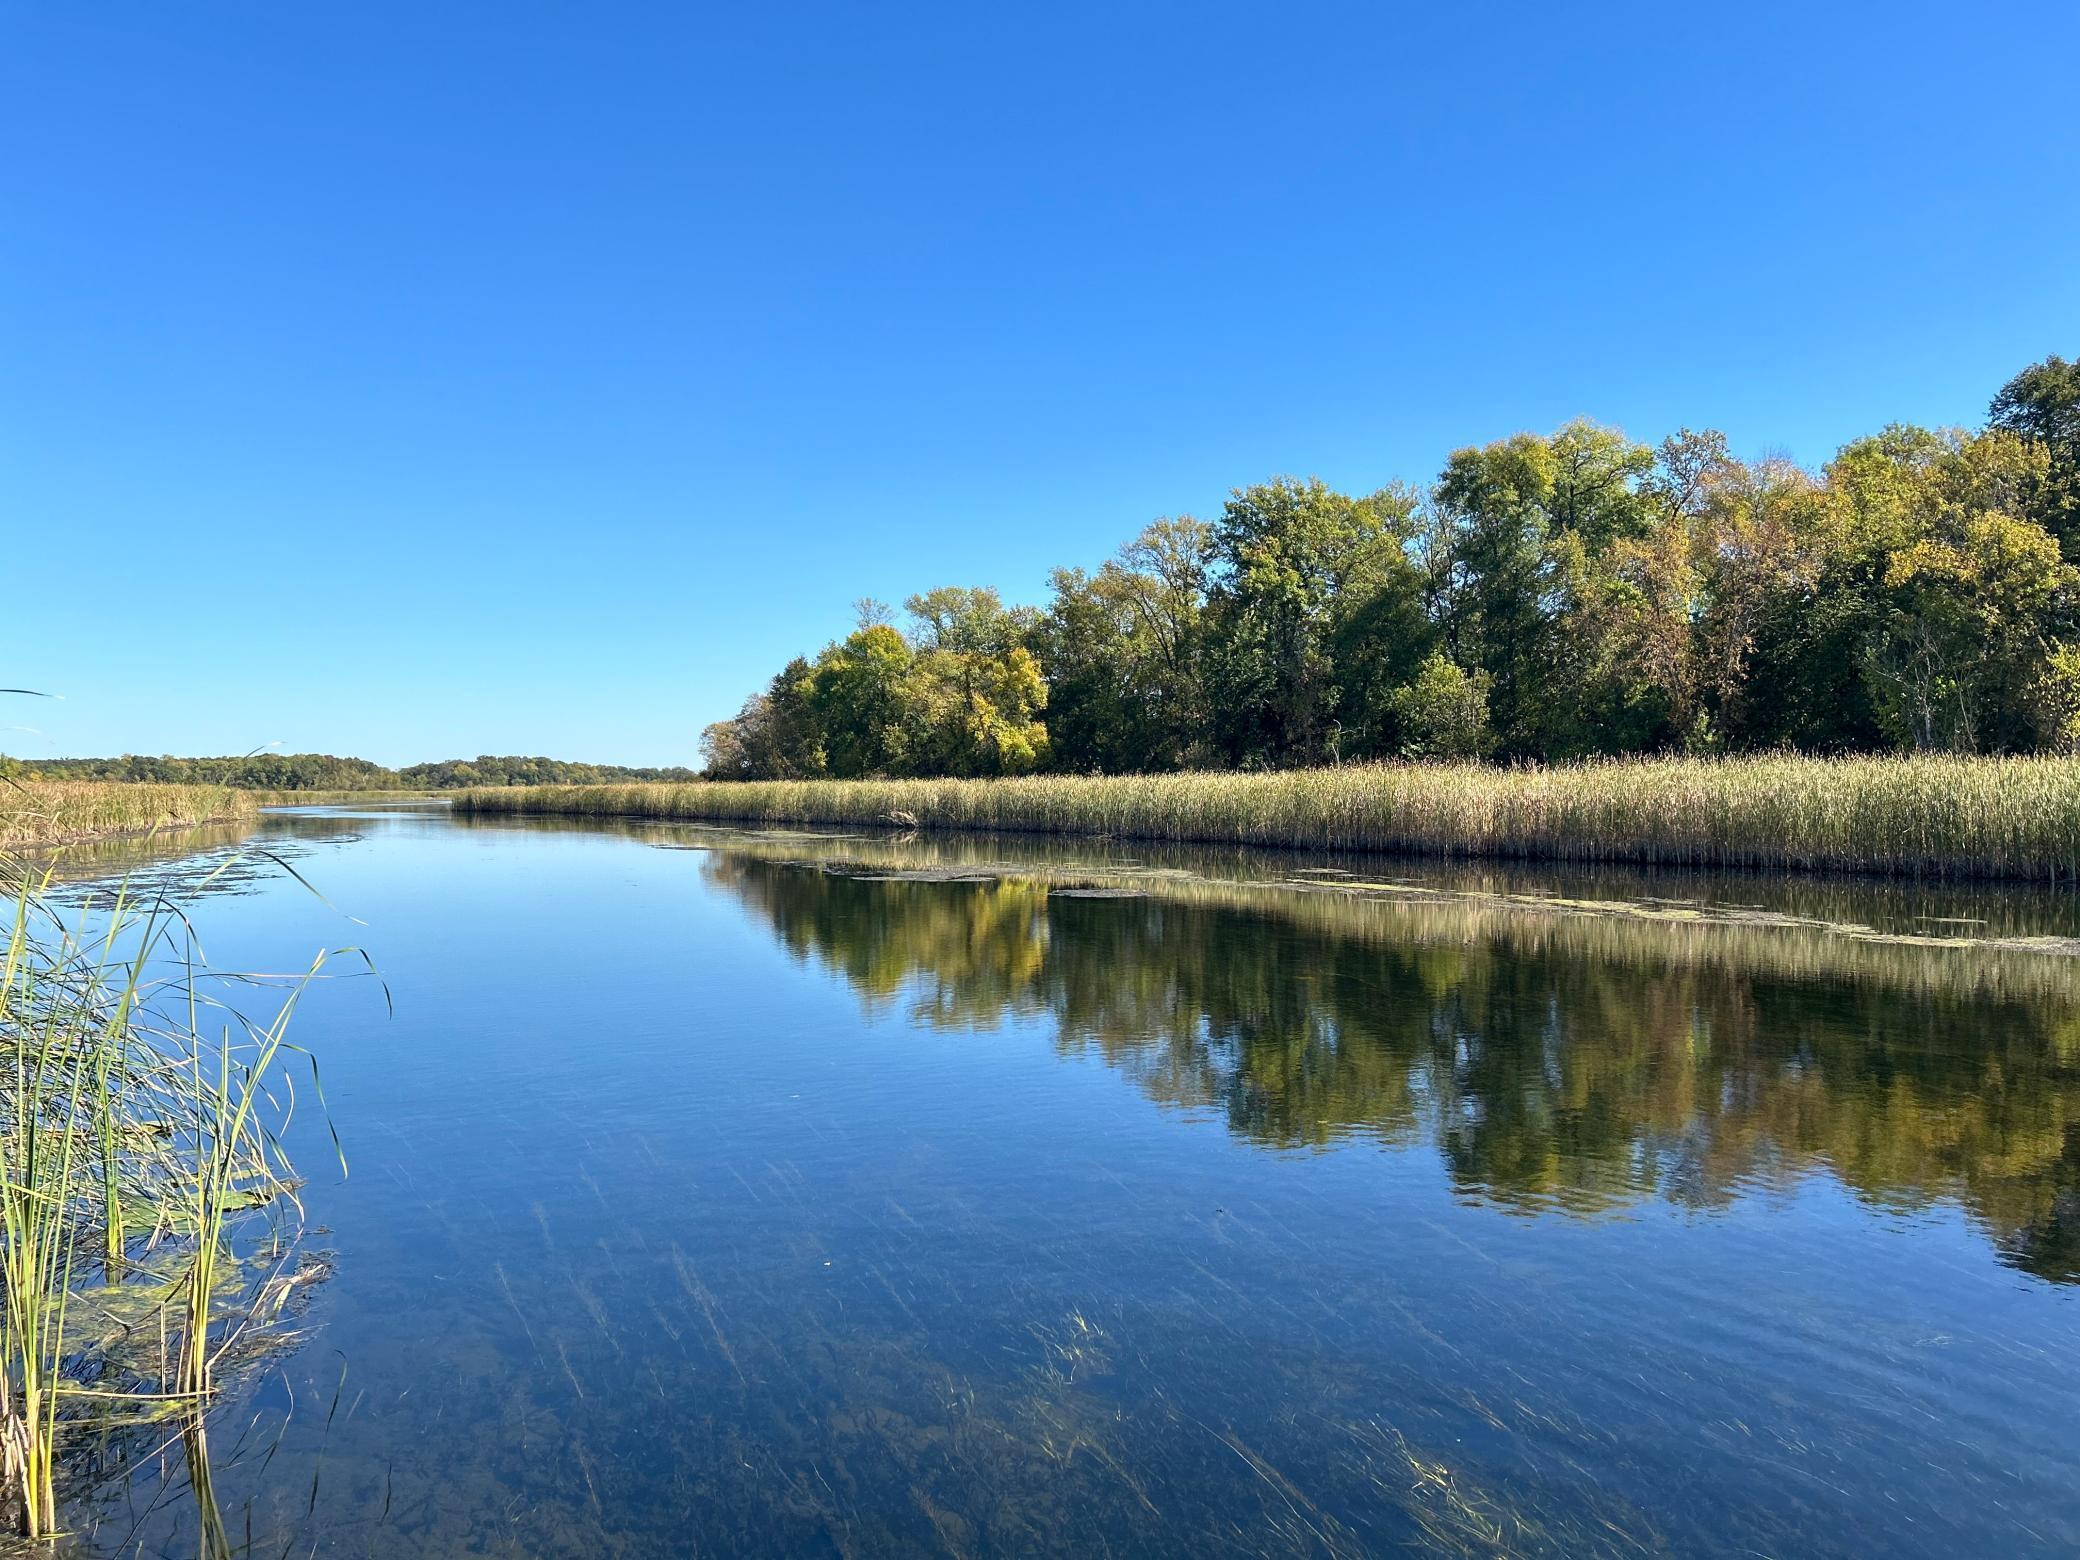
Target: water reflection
<point>1899,907</point>
<point>182,866</point>
<point>1481,1213</point>
<point>1564,1060</point>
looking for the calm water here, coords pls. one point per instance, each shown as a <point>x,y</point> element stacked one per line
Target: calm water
<point>720,1194</point>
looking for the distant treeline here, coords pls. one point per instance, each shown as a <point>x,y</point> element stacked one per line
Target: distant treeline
<point>324,772</point>
<point>1547,597</point>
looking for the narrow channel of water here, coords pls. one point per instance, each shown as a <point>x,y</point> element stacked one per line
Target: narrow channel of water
<point>716,1192</point>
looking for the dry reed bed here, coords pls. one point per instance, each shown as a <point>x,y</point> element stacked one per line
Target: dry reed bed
<point>52,812</point>
<point>1918,816</point>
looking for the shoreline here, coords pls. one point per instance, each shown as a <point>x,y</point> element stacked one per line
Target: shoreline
<point>50,815</point>
<point>105,836</point>
<point>128,810</point>
<point>2013,819</point>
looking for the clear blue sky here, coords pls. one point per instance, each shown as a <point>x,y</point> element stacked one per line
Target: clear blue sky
<point>414,380</point>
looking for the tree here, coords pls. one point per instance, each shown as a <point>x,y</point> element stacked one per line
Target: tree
<point>794,735</point>
<point>1963,597</point>
<point>1757,574</point>
<point>2042,403</point>
<point>777,735</point>
<point>2055,699</point>
<point>1963,657</point>
<point>975,691</point>
<point>1443,711</point>
<point>962,619</point>
<point>1122,653</point>
<point>1527,531</point>
<point>859,693</point>
<point>1285,553</point>
<point>726,745</point>
<point>1600,595</point>
<point>1004,696</point>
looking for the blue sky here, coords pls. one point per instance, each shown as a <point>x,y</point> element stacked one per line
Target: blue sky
<point>416,380</point>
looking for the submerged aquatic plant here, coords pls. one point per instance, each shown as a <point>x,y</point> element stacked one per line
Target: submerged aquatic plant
<point>138,1133</point>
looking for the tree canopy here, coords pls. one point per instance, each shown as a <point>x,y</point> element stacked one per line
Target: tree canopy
<point>1546,597</point>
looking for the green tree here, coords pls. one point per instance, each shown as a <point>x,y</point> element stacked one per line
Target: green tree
<point>2042,403</point>
<point>1757,575</point>
<point>777,735</point>
<point>1527,532</point>
<point>1122,651</point>
<point>859,692</point>
<point>1286,553</point>
<point>1935,601</point>
<point>1443,711</point>
<point>974,692</point>
<point>964,620</point>
<point>1961,654</point>
<point>1602,595</point>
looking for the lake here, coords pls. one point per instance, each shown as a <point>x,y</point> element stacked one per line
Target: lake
<point>764,1193</point>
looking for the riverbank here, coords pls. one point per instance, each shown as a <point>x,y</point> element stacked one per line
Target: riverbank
<point>346,798</point>
<point>1918,817</point>
<point>62,812</point>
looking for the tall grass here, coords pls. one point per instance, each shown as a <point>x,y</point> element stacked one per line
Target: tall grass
<point>380,797</point>
<point>136,1136</point>
<point>1918,816</point>
<point>52,812</point>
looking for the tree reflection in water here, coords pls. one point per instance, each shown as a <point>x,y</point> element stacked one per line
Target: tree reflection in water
<point>1559,1059</point>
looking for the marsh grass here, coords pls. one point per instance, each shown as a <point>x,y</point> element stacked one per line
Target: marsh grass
<point>1923,816</point>
<point>55,812</point>
<point>139,1120</point>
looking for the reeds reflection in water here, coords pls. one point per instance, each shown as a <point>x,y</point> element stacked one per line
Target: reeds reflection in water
<point>1559,1056</point>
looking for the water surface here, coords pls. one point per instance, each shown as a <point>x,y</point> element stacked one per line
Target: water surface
<point>753,1193</point>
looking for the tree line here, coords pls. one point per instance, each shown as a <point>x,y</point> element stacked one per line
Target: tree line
<point>1547,597</point>
<point>324,772</point>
